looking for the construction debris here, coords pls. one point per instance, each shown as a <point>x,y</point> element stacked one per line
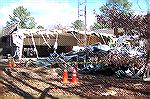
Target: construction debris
<point>127,58</point>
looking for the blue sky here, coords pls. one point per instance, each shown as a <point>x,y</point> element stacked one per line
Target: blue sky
<point>64,12</point>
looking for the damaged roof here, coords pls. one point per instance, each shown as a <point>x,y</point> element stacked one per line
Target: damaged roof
<point>9,29</point>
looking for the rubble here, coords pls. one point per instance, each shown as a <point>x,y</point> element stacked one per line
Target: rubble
<point>123,59</point>
<point>127,57</point>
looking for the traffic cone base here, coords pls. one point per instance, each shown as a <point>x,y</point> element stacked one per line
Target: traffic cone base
<point>74,79</point>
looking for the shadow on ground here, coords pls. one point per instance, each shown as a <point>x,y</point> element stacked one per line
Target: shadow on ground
<point>91,86</point>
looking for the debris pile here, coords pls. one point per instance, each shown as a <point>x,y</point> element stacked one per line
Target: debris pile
<point>127,57</point>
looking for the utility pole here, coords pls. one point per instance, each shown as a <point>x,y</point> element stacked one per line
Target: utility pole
<point>85,24</point>
<point>84,14</point>
<point>148,44</point>
<point>78,9</point>
<point>78,35</point>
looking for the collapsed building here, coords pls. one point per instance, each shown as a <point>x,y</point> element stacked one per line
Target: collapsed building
<point>38,41</point>
<point>103,47</point>
<point>22,43</point>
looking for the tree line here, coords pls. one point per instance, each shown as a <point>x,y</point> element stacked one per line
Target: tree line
<point>114,14</point>
<point>23,17</point>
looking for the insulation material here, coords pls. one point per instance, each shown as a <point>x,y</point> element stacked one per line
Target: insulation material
<point>18,38</point>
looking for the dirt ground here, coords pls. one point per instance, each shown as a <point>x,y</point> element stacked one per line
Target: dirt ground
<point>45,83</point>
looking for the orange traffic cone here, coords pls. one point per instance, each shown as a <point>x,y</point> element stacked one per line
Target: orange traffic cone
<point>74,66</point>
<point>9,64</point>
<point>65,76</point>
<point>13,63</point>
<point>74,76</point>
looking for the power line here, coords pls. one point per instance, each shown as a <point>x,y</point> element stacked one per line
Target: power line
<point>148,4</point>
<point>138,4</point>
